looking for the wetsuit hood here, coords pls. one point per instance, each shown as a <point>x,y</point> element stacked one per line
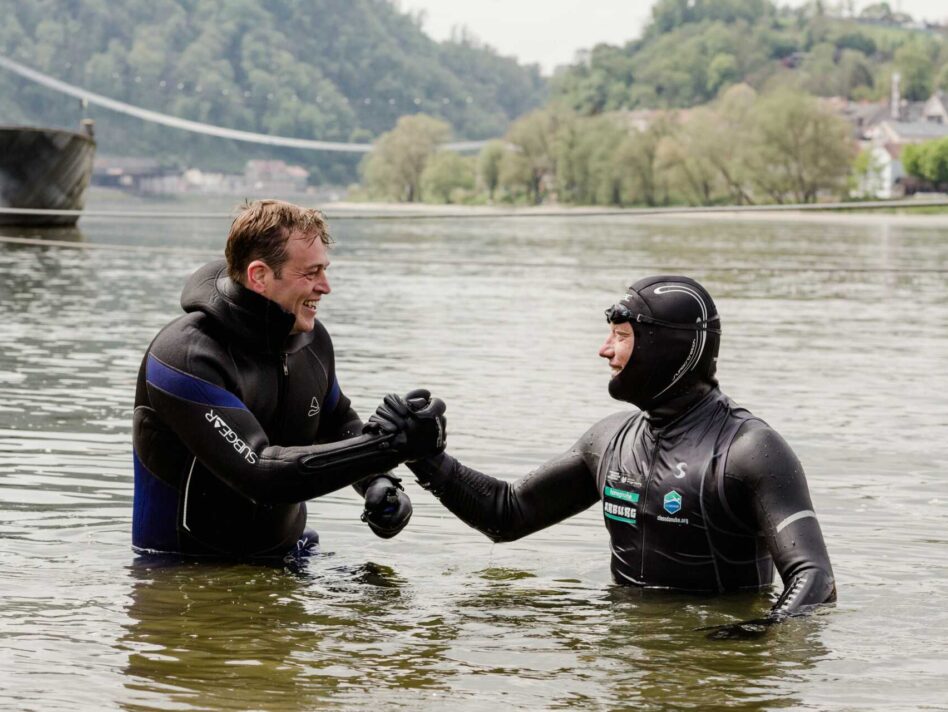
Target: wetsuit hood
<point>255,320</point>
<point>677,334</point>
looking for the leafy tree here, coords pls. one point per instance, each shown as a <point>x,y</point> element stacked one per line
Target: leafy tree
<point>911,158</point>
<point>489,162</point>
<point>588,164</point>
<point>915,65</point>
<point>446,174</point>
<point>928,161</point>
<point>394,168</point>
<point>641,171</point>
<point>799,149</point>
<point>532,159</point>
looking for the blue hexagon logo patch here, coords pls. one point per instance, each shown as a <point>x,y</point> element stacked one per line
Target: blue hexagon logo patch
<point>672,502</point>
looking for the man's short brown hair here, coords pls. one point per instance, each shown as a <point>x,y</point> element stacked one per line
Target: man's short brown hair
<point>261,231</point>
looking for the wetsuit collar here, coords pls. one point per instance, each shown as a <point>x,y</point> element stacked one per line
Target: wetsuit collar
<point>675,414</point>
<point>253,319</point>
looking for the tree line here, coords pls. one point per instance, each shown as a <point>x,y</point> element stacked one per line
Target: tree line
<point>744,148</point>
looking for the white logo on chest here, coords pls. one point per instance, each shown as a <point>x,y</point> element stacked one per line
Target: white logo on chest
<point>313,408</point>
<point>682,466</point>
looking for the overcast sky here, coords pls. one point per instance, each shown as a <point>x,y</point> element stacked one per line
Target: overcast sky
<point>549,32</point>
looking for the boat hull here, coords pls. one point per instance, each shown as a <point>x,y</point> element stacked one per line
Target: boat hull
<point>43,169</point>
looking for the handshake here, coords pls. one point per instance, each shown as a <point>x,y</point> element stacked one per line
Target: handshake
<point>415,423</point>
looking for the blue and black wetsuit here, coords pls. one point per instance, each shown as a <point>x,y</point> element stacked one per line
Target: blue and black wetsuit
<point>697,494</point>
<point>237,423</point>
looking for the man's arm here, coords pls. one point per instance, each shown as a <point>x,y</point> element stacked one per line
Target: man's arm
<point>188,395</point>
<point>771,473</point>
<point>506,511</point>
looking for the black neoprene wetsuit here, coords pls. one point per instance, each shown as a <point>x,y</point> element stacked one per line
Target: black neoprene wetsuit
<point>699,497</point>
<point>228,410</point>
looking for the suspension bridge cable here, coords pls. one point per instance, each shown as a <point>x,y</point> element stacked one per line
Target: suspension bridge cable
<point>198,127</point>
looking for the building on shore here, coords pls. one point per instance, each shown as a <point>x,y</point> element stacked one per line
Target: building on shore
<point>145,176</point>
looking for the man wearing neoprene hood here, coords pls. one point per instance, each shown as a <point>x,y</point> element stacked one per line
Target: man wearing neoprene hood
<point>697,493</point>
<point>239,417</point>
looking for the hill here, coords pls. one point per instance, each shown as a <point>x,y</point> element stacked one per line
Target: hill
<point>694,49</point>
<point>337,70</point>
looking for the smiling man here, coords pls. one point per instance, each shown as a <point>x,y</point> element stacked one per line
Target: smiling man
<point>239,417</point>
<point>696,493</point>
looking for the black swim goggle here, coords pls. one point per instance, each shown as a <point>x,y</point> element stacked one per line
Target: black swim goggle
<point>621,314</point>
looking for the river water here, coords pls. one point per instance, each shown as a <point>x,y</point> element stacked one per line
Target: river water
<point>835,332</point>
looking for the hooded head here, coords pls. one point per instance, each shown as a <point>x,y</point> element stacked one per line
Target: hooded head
<point>676,331</point>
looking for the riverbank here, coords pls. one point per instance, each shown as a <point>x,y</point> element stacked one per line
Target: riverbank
<point>892,212</point>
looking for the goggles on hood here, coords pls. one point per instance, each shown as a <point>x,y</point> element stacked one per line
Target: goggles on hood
<point>621,314</point>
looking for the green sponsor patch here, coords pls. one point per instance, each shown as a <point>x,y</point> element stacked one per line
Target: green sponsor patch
<point>620,519</point>
<point>632,497</point>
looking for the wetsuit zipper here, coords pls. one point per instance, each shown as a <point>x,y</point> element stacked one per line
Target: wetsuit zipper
<point>283,387</point>
<point>648,482</point>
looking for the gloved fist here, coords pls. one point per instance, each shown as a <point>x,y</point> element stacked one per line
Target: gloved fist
<point>387,507</point>
<point>416,421</point>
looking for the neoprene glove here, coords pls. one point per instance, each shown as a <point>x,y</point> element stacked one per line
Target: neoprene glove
<point>416,421</point>
<point>387,507</point>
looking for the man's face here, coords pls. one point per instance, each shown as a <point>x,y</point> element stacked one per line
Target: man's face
<point>302,281</point>
<point>618,346</point>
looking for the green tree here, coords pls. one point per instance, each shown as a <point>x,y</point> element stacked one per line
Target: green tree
<point>915,65</point>
<point>911,158</point>
<point>446,174</point>
<point>799,148</point>
<point>588,165</point>
<point>394,167</point>
<point>684,155</point>
<point>532,159</point>
<point>643,181</point>
<point>722,71</point>
<point>488,165</point>
<point>928,161</point>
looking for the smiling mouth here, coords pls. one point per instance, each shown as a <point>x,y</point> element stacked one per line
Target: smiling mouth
<point>311,304</point>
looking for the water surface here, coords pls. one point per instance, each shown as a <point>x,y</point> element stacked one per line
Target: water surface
<point>835,333</point>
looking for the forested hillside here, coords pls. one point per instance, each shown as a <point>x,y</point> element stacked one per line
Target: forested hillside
<point>339,70</point>
<point>694,49</point>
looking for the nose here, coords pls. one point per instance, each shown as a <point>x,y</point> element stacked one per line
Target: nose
<point>607,350</point>
<point>322,286</point>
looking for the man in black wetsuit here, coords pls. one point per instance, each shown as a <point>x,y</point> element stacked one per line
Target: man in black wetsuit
<point>239,418</point>
<point>697,494</point>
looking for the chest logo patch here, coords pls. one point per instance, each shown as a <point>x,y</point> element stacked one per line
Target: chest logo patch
<point>681,467</point>
<point>313,408</point>
<point>672,502</point>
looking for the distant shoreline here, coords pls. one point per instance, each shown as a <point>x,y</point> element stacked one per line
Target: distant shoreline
<point>849,213</point>
<point>854,215</point>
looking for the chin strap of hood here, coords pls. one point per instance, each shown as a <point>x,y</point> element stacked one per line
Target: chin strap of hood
<point>677,333</point>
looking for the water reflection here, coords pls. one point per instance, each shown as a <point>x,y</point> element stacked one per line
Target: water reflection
<point>206,635</point>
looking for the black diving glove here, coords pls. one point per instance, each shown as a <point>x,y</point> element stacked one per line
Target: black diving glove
<point>416,421</point>
<point>387,507</point>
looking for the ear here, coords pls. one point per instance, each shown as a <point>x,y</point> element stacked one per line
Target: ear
<point>259,275</point>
